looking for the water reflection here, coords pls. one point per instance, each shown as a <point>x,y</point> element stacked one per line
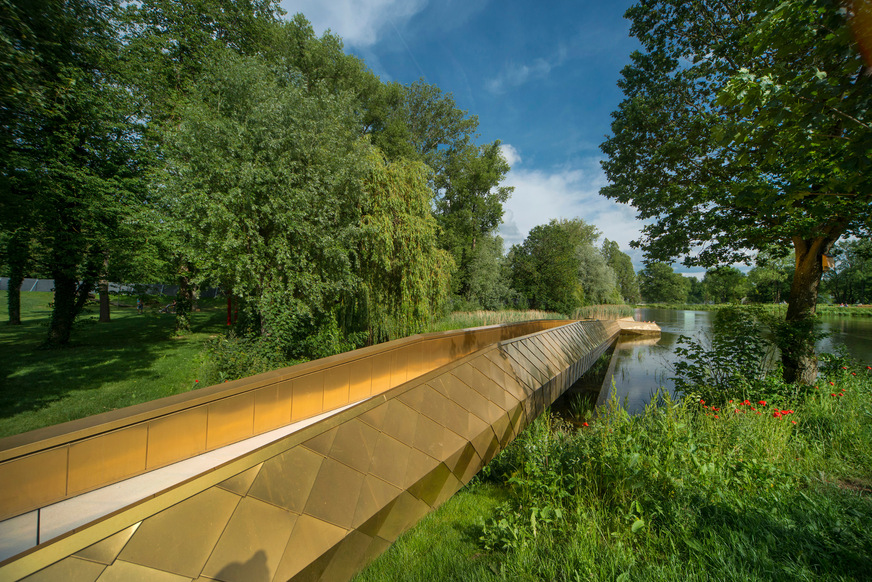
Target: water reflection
<point>642,367</point>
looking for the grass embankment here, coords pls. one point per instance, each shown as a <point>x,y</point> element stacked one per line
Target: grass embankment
<point>134,358</point>
<point>781,309</point>
<point>685,491</point>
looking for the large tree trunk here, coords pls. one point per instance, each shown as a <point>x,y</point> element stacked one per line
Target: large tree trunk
<point>797,338</point>
<point>104,290</point>
<point>17,255</point>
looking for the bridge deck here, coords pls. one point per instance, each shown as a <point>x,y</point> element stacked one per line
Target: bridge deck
<point>317,498</point>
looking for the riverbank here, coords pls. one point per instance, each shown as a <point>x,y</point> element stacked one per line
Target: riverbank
<point>685,490</point>
<point>779,309</point>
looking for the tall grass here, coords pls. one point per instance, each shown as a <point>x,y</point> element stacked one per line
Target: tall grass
<point>685,491</point>
<point>467,319</point>
<point>603,312</point>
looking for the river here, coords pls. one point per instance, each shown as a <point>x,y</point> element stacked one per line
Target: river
<point>643,366</point>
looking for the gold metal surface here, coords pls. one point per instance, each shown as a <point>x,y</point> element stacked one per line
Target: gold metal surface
<point>355,443</point>
<point>389,460</point>
<point>181,538</point>
<point>69,570</point>
<point>107,550</point>
<point>272,406</point>
<point>318,504</point>
<point>177,436</point>
<point>287,480</point>
<point>360,384</point>
<point>106,458</point>
<point>400,421</point>
<point>309,539</point>
<point>336,386</point>
<point>230,420</point>
<point>32,481</point>
<point>335,493</point>
<point>308,396</point>
<point>241,483</point>
<point>252,545</point>
<point>375,494</point>
<point>126,572</point>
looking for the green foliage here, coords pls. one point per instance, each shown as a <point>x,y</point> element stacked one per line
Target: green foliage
<point>658,283</point>
<point>724,285</point>
<point>545,269</point>
<point>622,266</point>
<point>850,281</point>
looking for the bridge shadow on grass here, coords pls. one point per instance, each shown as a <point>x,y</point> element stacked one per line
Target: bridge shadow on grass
<point>134,358</point>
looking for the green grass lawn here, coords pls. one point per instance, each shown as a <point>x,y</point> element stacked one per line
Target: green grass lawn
<point>132,359</point>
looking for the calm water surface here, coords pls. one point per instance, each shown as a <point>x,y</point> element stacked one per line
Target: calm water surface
<point>644,366</point>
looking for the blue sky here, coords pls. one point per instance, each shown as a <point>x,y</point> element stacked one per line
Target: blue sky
<point>541,77</point>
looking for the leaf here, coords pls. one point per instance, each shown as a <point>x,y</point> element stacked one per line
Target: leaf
<point>637,525</point>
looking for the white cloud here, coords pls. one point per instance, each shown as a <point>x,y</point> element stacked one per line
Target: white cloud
<point>567,192</point>
<point>512,155</point>
<point>360,23</point>
<point>515,75</point>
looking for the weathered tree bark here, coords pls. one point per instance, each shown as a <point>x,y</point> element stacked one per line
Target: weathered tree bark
<point>796,338</point>
<point>16,253</point>
<point>104,290</point>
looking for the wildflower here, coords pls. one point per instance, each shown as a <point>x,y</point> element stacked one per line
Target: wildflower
<point>833,394</point>
<point>736,411</point>
<point>731,401</point>
<point>762,403</point>
<point>844,367</point>
<point>196,381</point>
<point>841,394</point>
<point>794,422</point>
<point>832,383</point>
<point>817,387</point>
<point>715,408</point>
<point>776,414</point>
<point>585,424</point>
<point>702,401</point>
<point>853,373</point>
<point>716,416</point>
<point>747,402</point>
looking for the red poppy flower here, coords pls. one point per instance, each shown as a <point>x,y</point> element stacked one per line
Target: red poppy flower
<point>585,424</point>
<point>832,383</point>
<point>716,416</point>
<point>776,414</point>
<point>702,401</point>
<point>762,403</point>
<point>833,394</point>
<point>793,421</point>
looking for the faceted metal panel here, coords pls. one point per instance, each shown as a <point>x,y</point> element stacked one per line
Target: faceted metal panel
<point>437,352</point>
<point>335,493</point>
<point>374,495</point>
<point>399,367</point>
<point>272,406</point>
<point>308,396</point>
<point>375,417</point>
<point>348,557</point>
<point>430,437</point>
<point>404,513</point>
<point>69,570</point>
<point>428,487</point>
<point>360,383</point>
<point>389,460</point>
<point>415,354</point>
<point>106,458</point>
<point>107,550</point>
<point>419,465</point>
<point>181,538</point>
<point>322,442</point>
<point>126,572</point>
<point>414,397</point>
<point>252,544</point>
<point>241,483</point>
<point>287,480</point>
<point>381,373</point>
<point>336,386</point>
<point>354,444</point>
<point>176,436</point>
<point>503,430</point>
<point>451,486</point>
<point>400,421</point>
<point>465,396</point>
<point>230,420</point>
<point>309,539</point>
<point>473,378</point>
<point>33,481</point>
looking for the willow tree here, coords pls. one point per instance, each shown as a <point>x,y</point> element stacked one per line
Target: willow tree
<point>745,126</point>
<point>405,277</point>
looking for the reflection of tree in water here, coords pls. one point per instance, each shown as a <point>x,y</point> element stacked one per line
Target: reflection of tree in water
<point>254,570</point>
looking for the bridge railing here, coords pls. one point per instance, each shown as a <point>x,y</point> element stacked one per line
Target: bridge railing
<point>51,464</point>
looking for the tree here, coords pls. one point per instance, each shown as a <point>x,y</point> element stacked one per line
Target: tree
<point>545,269</point>
<point>71,146</point>
<point>770,276</point>
<point>596,277</point>
<point>622,265</point>
<point>745,126</point>
<point>660,284</point>
<point>470,204</point>
<point>850,280</point>
<point>724,284</point>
